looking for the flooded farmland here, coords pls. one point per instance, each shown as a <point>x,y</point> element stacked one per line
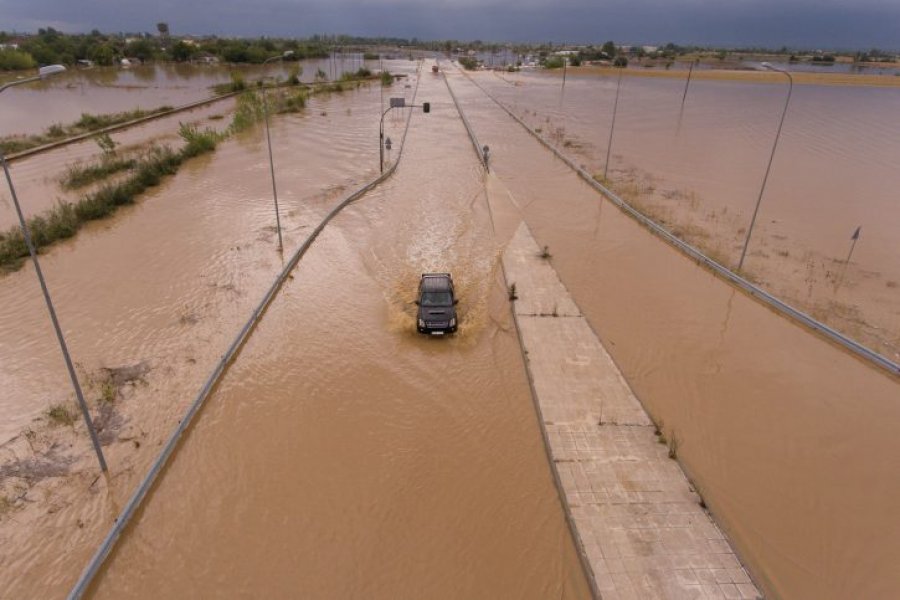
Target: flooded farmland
<point>343,454</point>
<point>100,90</point>
<point>699,171</point>
<point>417,451</point>
<point>349,456</point>
<point>787,438</point>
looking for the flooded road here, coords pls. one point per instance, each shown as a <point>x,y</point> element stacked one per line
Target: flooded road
<point>788,439</point>
<point>344,455</point>
<point>698,171</point>
<point>125,295</point>
<point>39,178</point>
<point>166,284</point>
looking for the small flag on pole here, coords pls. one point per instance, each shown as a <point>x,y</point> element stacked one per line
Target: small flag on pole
<point>854,237</point>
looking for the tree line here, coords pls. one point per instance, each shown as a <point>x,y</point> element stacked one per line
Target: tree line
<point>50,46</point>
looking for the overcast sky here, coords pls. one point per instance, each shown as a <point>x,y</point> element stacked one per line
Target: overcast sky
<point>795,23</point>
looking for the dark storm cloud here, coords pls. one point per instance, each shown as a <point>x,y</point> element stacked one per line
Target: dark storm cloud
<point>807,23</point>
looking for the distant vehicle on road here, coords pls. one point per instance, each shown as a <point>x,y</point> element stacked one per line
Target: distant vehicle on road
<point>434,68</point>
<point>437,304</point>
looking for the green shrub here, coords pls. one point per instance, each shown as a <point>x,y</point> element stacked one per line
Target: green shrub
<point>553,62</point>
<point>197,142</point>
<point>249,110</point>
<point>291,103</point>
<point>79,176</point>
<point>62,414</point>
<point>294,77</point>
<point>16,60</point>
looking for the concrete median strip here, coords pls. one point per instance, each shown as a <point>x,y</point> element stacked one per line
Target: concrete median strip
<point>637,519</point>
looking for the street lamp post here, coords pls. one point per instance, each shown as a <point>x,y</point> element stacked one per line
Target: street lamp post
<point>79,395</point>
<point>613,126</point>
<point>762,189</point>
<point>687,83</point>
<point>395,103</point>
<point>269,143</point>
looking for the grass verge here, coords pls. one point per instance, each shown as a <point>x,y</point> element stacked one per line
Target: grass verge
<point>86,124</point>
<point>65,219</point>
<point>81,175</point>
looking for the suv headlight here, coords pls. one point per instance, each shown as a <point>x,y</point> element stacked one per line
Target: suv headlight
<point>453,322</point>
<point>421,322</point>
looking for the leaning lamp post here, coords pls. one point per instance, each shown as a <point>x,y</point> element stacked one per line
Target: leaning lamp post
<point>43,73</point>
<point>286,54</point>
<point>395,103</point>
<point>762,189</point>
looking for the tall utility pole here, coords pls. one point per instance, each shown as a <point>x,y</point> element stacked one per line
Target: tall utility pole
<point>612,127</point>
<point>26,234</point>
<point>762,189</point>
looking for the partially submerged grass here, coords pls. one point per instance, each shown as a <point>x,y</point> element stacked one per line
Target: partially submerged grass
<point>86,124</point>
<point>81,175</point>
<point>197,142</point>
<point>237,84</point>
<point>62,414</point>
<point>108,392</point>
<point>65,219</point>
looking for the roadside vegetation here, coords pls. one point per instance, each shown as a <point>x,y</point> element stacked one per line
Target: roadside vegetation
<point>146,170</point>
<point>468,63</point>
<point>86,124</point>
<point>78,175</point>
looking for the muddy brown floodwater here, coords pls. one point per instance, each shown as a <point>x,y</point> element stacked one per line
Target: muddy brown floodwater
<point>790,440</point>
<point>344,455</point>
<point>164,284</point>
<point>698,171</point>
<point>32,108</point>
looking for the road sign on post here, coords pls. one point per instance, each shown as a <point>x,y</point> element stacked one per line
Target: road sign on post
<point>398,102</point>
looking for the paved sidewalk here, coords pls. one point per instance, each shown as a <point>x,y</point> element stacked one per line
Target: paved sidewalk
<point>637,519</point>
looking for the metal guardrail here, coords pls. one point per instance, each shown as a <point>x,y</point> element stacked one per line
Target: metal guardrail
<point>141,120</point>
<point>475,143</point>
<point>753,290</point>
<point>133,122</point>
<point>143,489</point>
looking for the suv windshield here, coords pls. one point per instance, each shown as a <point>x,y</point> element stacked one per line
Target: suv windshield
<point>436,299</point>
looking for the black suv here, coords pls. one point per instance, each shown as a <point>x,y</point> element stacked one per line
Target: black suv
<point>437,304</point>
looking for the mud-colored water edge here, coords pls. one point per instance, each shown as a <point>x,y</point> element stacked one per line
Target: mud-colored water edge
<point>800,78</point>
<point>65,219</point>
<point>825,287</point>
